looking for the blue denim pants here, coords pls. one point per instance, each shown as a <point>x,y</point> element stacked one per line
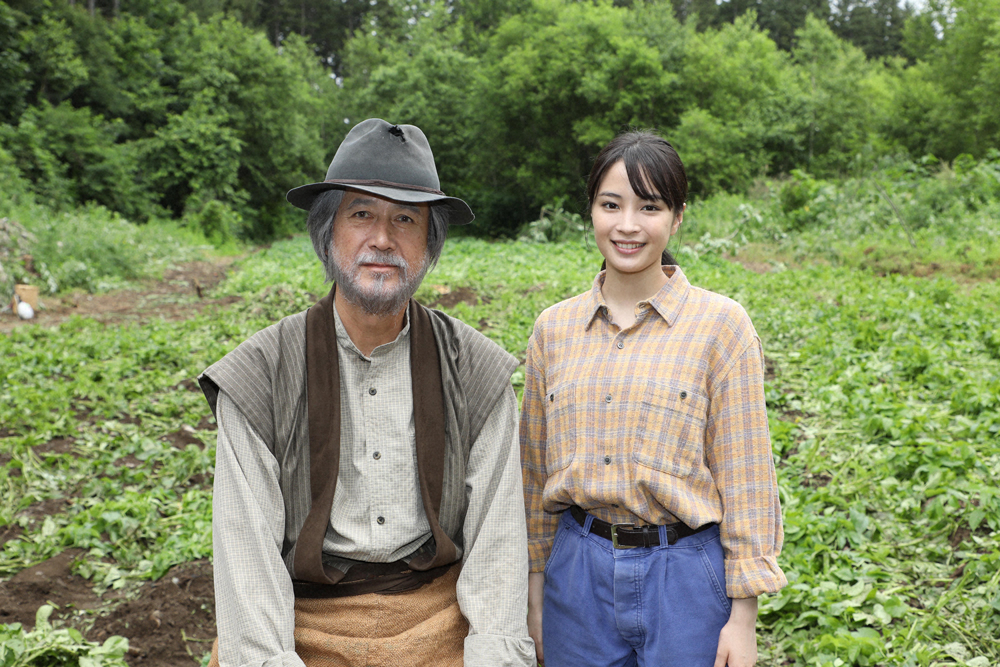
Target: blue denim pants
<point>659,606</point>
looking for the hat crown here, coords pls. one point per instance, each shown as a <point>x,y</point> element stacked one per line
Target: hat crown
<point>375,150</point>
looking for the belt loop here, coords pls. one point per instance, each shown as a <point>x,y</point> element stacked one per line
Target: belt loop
<point>587,523</point>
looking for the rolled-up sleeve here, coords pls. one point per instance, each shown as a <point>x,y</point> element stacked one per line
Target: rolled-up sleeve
<point>738,448</point>
<point>493,586</point>
<point>542,525</point>
<point>253,591</point>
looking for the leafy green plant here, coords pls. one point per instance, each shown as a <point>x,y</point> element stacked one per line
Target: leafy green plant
<point>555,224</point>
<point>48,646</point>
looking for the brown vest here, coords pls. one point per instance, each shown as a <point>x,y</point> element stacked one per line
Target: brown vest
<point>285,381</point>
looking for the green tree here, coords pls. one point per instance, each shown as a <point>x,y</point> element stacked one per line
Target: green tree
<point>778,18</point>
<point>874,26</point>
<point>948,104</point>
<point>844,98</point>
<point>739,123</point>
<point>557,84</point>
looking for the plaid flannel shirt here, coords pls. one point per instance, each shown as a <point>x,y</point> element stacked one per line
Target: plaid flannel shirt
<point>663,421</point>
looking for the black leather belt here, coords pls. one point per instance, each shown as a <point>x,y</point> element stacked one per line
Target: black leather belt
<point>629,536</point>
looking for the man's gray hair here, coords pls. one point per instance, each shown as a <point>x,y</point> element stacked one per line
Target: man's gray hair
<point>324,210</point>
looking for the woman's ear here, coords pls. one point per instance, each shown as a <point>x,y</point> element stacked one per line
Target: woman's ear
<point>678,219</point>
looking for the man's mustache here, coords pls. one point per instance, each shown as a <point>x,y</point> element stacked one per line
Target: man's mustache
<point>381,257</point>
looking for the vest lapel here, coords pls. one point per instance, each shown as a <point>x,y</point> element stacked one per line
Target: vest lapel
<point>428,419</point>
<point>323,390</point>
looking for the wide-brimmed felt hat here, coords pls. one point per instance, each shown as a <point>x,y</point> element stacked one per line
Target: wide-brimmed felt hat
<point>391,161</point>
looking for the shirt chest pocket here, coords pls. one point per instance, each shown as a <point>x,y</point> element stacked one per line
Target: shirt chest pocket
<point>564,405</point>
<point>670,433</point>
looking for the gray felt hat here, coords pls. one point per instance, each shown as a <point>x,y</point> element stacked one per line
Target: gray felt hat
<point>391,161</point>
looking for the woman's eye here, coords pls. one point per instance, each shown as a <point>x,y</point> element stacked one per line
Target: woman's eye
<point>609,205</point>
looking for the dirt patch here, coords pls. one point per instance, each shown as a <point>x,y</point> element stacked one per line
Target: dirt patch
<point>49,582</point>
<point>184,437</point>
<point>181,293</point>
<point>55,447</point>
<point>8,533</point>
<point>450,298</point>
<point>770,368</point>
<point>44,508</point>
<point>815,481</point>
<point>794,416</point>
<point>751,265</point>
<point>169,622</point>
<point>960,535</point>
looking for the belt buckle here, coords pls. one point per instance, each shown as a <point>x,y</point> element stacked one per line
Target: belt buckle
<point>614,535</point>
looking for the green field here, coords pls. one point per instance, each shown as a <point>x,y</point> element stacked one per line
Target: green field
<point>883,398</point>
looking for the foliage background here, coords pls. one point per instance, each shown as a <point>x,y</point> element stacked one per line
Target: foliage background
<point>207,111</point>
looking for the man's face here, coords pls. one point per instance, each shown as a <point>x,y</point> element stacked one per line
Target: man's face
<point>379,251</point>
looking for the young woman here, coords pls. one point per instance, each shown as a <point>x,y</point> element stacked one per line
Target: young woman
<point>652,503</point>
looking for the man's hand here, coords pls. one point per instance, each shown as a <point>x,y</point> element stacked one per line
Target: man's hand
<point>738,638</point>
<point>536,587</point>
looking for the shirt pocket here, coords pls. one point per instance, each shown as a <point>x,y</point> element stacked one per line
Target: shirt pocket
<point>562,412</point>
<point>670,434</point>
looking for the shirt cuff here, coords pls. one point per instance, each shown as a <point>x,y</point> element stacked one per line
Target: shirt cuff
<point>499,651</point>
<point>751,577</point>
<point>538,553</point>
<point>287,659</point>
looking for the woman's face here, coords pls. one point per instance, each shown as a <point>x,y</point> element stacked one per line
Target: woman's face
<point>631,232</point>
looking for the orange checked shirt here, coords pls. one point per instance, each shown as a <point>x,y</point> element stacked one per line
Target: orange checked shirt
<point>661,422</point>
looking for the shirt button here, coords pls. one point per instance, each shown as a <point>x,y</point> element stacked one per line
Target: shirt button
<point>607,399</point>
<point>607,460</point>
<point>684,395</point>
<point>620,345</point>
<point>372,391</point>
<point>377,455</point>
<point>380,520</point>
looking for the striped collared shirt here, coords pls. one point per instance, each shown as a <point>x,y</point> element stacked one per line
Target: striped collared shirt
<point>663,421</point>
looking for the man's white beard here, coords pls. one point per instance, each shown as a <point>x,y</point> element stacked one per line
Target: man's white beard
<point>379,299</point>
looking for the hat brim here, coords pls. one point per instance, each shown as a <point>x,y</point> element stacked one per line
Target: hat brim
<point>461,213</point>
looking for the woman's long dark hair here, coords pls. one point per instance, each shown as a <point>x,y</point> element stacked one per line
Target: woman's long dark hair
<point>654,171</point>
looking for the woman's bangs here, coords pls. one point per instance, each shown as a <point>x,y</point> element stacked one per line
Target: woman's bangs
<point>646,177</point>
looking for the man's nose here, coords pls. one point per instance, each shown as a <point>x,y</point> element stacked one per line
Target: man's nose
<point>381,234</point>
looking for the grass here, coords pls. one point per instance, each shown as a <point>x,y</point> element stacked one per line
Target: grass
<point>91,249</point>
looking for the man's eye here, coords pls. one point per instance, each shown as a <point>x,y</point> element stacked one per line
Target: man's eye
<point>405,218</point>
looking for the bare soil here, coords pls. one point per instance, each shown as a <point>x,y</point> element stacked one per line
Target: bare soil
<point>182,292</point>
<point>168,622</point>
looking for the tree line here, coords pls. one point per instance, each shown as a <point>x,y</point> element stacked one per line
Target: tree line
<point>209,110</point>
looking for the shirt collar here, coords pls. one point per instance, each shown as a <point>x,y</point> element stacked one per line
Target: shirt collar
<point>667,302</point>
<point>344,339</point>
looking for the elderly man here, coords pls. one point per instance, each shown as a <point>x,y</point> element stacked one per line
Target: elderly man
<point>368,501</point>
